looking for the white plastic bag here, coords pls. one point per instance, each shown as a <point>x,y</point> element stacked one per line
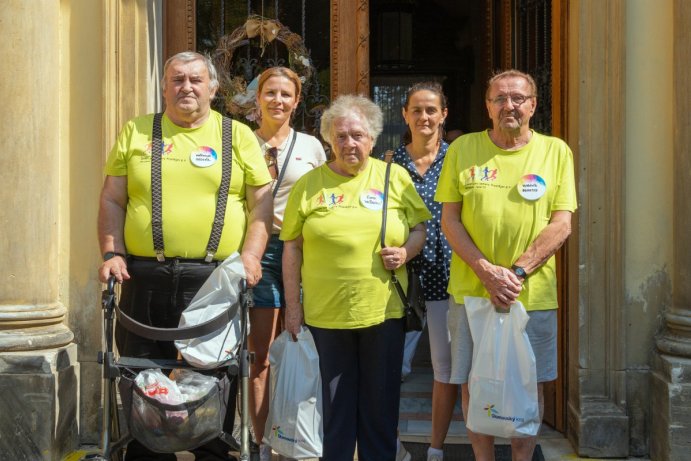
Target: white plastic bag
<point>193,386</point>
<point>218,293</point>
<point>503,380</point>
<point>159,387</point>
<point>294,425</point>
<point>180,387</point>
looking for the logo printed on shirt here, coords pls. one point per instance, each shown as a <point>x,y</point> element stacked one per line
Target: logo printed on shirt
<point>483,178</point>
<point>330,200</point>
<point>487,174</point>
<point>203,157</point>
<point>477,173</point>
<point>167,148</point>
<point>372,199</point>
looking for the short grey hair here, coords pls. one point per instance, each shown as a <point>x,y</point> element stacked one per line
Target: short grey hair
<point>189,56</point>
<point>512,73</point>
<point>352,105</point>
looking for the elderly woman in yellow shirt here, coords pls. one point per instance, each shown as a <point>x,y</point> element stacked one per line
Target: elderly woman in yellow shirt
<point>332,250</point>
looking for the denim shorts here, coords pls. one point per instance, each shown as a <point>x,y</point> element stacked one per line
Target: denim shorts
<point>542,333</point>
<point>269,290</point>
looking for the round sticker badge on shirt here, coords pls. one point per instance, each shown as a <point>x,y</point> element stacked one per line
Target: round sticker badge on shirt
<point>372,199</point>
<point>531,187</point>
<point>203,157</point>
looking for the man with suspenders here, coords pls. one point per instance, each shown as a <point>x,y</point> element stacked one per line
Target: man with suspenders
<point>183,190</point>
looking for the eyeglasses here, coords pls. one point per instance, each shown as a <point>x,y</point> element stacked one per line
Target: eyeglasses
<point>516,99</point>
<point>271,157</point>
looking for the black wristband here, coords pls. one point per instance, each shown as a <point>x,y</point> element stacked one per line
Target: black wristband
<point>111,254</point>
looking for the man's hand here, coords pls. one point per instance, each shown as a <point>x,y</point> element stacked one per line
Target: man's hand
<point>253,268</point>
<point>111,224</point>
<point>501,283</point>
<point>115,266</point>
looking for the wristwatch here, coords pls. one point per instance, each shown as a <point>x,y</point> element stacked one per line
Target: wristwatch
<point>111,254</point>
<point>519,271</point>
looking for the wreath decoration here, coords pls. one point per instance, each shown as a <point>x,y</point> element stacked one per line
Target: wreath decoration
<point>238,94</point>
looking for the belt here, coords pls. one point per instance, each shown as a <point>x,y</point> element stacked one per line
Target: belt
<point>168,260</point>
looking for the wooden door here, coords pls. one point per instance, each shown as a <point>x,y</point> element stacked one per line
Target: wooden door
<point>530,35</point>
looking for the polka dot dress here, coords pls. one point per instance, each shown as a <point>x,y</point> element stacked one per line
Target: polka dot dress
<point>435,258</point>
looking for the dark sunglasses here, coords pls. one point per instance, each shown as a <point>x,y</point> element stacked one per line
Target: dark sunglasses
<point>271,157</point>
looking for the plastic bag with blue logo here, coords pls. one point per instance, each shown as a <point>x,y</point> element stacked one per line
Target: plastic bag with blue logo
<point>294,425</point>
<point>503,380</point>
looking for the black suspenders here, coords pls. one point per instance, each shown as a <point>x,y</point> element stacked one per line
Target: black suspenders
<point>156,189</point>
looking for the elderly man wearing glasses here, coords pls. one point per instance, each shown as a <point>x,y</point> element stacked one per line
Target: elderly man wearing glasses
<point>508,194</point>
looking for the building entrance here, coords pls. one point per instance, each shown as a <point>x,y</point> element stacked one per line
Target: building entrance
<point>380,47</point>
<point>461,44</point>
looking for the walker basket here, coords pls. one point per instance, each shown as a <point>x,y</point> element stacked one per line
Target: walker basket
<point>165,428</point>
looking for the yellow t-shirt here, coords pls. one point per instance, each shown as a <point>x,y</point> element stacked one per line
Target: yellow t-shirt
<point>191,175</point>
<point>500,221</point>
<point>345,284</point>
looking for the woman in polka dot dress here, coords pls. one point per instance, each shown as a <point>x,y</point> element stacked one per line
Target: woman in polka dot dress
<point>422,155</point>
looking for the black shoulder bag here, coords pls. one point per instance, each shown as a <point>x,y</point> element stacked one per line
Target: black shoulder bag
<point>414,301</point>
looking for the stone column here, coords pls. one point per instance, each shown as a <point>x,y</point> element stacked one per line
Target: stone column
<point>598,425</point>
<point>671,383</point>
<point>38,370</point>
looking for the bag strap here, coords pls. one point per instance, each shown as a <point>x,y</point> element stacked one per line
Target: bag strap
<point>385,201</point>
<point>156,188</point>
<point>285,166</point>
<point>388,157</point>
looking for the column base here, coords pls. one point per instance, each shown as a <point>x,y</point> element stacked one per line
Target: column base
<point>39,408</point>
<point>28,327</point>
<point>599,429</point>
<point>670,437</point>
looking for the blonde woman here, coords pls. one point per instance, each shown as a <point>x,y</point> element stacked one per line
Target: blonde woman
<point>288,155</point>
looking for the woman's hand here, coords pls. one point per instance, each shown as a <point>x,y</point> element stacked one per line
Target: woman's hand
<point>393,257</point>
<point>294,318</point>
<point>253,268</point>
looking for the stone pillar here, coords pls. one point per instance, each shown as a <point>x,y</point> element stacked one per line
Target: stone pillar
<point>598,425</point>
<point>38,369</point>
<point>671,383</point>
